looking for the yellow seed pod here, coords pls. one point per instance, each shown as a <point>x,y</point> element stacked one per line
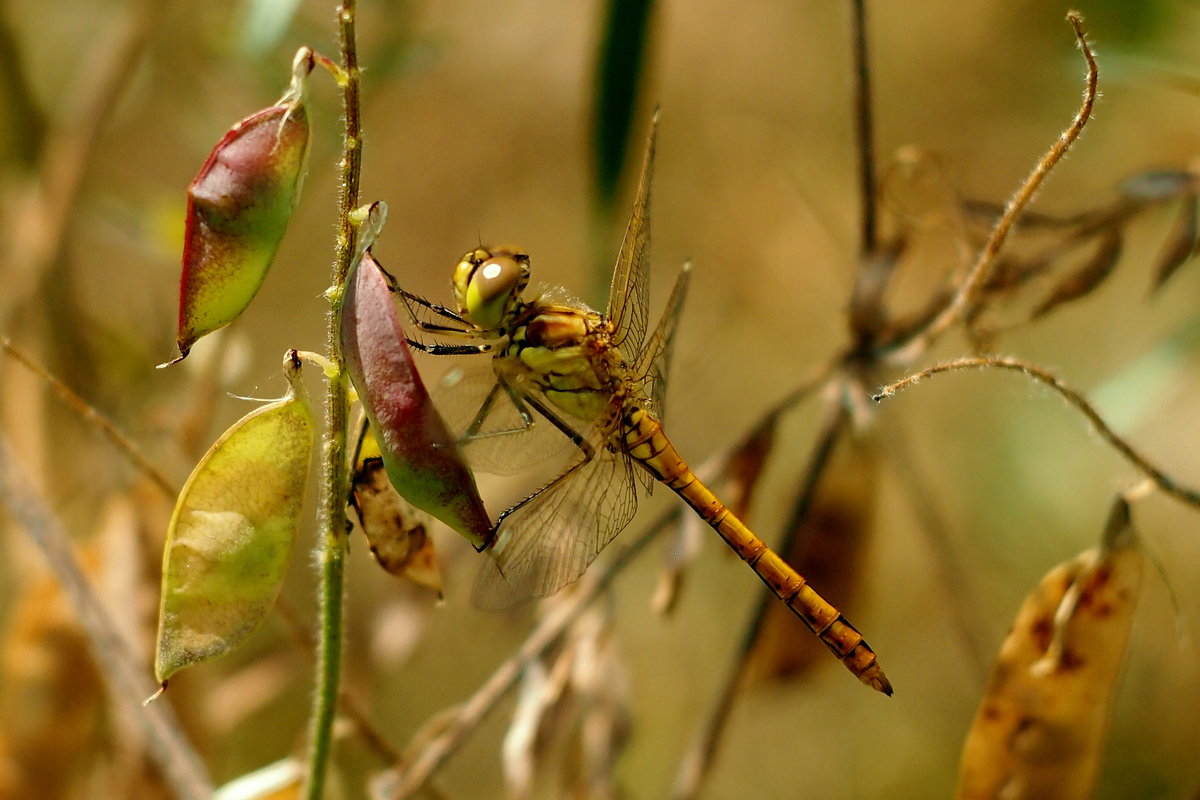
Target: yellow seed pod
<point>1041,727</point>
<point>232,533</point>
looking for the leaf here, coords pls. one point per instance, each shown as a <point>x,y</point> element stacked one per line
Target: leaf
<point>1182,243</point>
<point>1086,277</point>
<point>1044,715</point>
<point>619,68</point>
<point>421,457</point>
<point>232,533</point>
<point>396,532</point>
<point>238,208</point>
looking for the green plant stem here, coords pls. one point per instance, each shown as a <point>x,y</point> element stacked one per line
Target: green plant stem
<point>334,468</point>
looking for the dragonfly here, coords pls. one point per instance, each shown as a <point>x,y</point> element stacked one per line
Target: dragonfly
<point>598,381</point>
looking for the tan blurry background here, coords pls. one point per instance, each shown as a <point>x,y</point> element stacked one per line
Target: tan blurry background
<point>477,120</point>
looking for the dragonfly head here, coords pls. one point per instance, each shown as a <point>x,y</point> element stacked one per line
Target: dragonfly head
<point>488,283</point>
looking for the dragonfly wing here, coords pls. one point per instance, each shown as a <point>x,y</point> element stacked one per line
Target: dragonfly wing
<point>503,442</point>
<point>655,362</point>
<point>628,307</point>
<point>549,542</point>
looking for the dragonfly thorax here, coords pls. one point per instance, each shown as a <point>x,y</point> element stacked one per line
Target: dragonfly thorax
<point>488,284</point>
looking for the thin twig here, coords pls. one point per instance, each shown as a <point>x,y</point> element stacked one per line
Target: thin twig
<point>472,712</point>
<point>967,296</point>
<point>696,762</point>
<point>128,678</point>
<point>335,479</point>
<point>92,415</point>
<point>1073,397</point>
<point>864,130</point>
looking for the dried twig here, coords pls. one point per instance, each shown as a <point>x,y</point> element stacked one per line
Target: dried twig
<point>472,712</point>
<point>91,415</point>
<point>694,766</point>
<point>966,298</point>
<point>1073,397</point>
<point>864,130</point>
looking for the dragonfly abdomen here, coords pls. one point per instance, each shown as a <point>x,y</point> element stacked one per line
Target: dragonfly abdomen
<point>647,444</point>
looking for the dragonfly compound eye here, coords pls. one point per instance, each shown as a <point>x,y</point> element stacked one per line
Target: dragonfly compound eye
<point>494,286</point>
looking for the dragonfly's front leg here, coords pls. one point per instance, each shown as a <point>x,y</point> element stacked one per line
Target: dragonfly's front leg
<point>449,349</point>
<point>463,328</point>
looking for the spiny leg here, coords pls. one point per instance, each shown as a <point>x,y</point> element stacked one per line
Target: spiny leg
<point>449,349</point>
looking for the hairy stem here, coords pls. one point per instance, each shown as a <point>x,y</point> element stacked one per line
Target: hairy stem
<point>1076,401</point>
<point>967,296</point>
<point>334,469</point>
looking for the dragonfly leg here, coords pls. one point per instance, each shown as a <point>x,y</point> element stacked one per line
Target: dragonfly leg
<point>408,298</point>
<point>449,349</point>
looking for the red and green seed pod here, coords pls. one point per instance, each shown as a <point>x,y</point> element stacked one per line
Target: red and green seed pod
<point>421,456</point>
<point>238,209</point>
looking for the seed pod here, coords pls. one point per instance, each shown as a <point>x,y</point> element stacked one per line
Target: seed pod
<point>232,533</point>
<point>1041,726</point>
<point>421,457</point>
<point>238,209</point>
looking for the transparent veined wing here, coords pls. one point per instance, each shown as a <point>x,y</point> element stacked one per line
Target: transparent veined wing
<point>655,362</point>
<point>549,542</point>
<point>628,295</point>
<point>498,439</point>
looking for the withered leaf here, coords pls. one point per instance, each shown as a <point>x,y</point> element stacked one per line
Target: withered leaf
<point>1086,277</point>
<point>1181,243</point>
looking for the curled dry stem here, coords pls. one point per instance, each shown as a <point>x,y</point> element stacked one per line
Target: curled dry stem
<point>967,297</point>
<point>1076,400</point>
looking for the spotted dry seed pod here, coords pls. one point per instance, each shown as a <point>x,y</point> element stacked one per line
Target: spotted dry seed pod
<point>419,453</point>
<point>1040,729</point>
<point>238,208</point>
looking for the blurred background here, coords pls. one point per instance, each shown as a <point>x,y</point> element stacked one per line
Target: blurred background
<point>478,128</point>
